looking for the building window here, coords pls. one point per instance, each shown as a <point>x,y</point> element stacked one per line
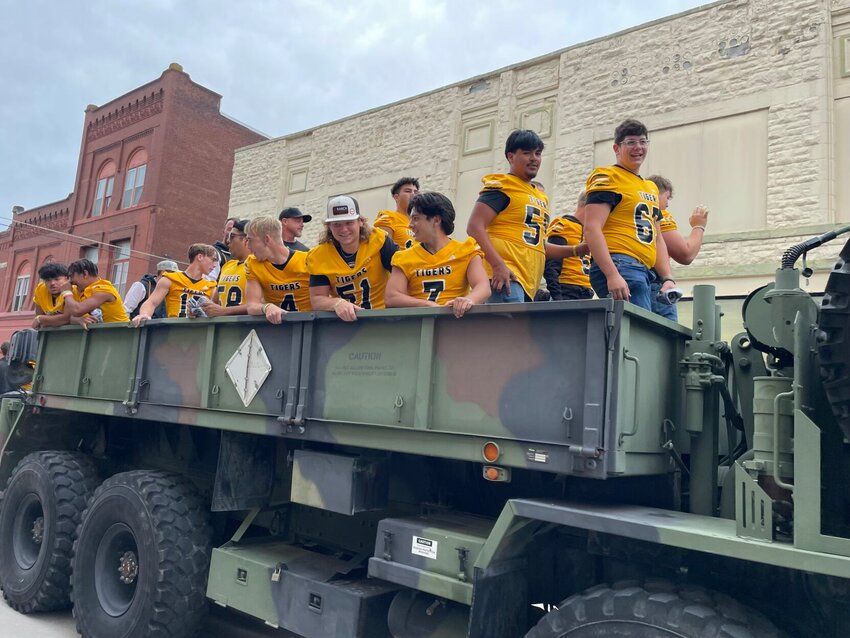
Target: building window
<point>134,182</point>
<point>90,253</point>
<point>22,288</point>
<point>103,190</point>
<point>120,264</point>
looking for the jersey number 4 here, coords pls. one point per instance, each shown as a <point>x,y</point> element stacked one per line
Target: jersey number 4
<point>347,292</point>
<point>644,217</point>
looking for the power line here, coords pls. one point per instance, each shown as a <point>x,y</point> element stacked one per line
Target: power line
<point>83,241</point>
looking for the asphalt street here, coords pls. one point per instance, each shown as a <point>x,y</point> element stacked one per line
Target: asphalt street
<point>220,624</point>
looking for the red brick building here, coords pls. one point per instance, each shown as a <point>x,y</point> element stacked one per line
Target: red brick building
<point>153,177</point>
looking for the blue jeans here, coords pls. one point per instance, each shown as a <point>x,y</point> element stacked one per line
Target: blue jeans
<point>668,312</point>
<point>508,294</point>
<point>637,276</point>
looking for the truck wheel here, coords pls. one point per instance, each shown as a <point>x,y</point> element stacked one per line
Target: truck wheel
<point>141,558</point>
<point>41,508</point>
<point>654,609</point>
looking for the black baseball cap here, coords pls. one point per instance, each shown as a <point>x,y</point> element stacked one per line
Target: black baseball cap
<point>240,225</point>
<point>293,213</point>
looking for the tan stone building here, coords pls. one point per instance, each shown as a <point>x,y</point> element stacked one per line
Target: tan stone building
<point>746,102</point>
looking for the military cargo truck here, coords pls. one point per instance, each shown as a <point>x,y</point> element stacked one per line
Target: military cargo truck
<point>577,469</point>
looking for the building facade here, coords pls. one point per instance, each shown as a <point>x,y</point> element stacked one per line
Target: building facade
<point>746,102</point>
<point>153,177</point>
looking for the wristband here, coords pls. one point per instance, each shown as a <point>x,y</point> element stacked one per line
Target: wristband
<point>666,279</point>
<point>702,228</point>
<point>339,301</point>
<point>263,307</point>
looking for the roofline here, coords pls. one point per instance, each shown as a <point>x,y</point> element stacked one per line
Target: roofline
<point>483,76</point>
<point>151,83</point>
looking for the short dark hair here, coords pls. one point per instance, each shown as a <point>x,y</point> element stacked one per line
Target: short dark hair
<point>524,140</point>
<point>402,182</point>
<point>231,219</point>
<point>52,270</point>
<point>435,205</point>
<point>202,249</point>
<point>629,127</point>
<point>4,348</point>
<point>662,183</point>
<point>82,266</point>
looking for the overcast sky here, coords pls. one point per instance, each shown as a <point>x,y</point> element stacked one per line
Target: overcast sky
<point>280,65</point>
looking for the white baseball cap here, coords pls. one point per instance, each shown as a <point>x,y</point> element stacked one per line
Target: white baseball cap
<point>342,208</point>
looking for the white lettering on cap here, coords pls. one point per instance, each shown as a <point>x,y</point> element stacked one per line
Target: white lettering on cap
<point>340,210</point>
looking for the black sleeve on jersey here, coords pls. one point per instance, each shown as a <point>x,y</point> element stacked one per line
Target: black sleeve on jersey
<point>319,280</point>
<point>552,269</point>
<point>496,200</point>
<point>604,197</point>
<point>389,249</point>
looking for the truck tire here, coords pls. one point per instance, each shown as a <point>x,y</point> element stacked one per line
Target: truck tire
<point>141,558</point>
<point>655,609</point>
<point>41,508</point>
<point>834,340</point>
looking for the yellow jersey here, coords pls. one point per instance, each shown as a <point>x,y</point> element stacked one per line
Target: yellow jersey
<point>518,231</point>
<point>112,310</point>
<point>574,270</point>
<point>397,226</point>
<point>362,284</point>
<point>629,228</point>
<point>49,304</point>
<point>667,223</point>
<point>231,283</point>
<point>182,289</point>
<point>285,285</point>
<point>440,277</point>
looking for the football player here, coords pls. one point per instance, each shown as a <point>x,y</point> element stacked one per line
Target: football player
<point>94,293</point>
<point>182,288</point>
<point>681,250</point>
<point>47,297</point>
<point>621,223</point>
<point>567,278</point>
<point>350,266</point>
<point>277,279</point>
<point>231,280</point>
<point>437,270</point>
<point>396,222</point>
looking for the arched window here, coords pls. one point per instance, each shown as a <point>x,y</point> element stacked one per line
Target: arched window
<point>134,183</point>
<point>22,287</point>
<point>103,190</point>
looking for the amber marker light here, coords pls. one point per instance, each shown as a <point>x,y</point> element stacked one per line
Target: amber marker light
<point>491,452</point>
<point>491,474</point>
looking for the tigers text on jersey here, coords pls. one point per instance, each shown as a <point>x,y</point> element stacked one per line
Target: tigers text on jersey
<point>112,310</point>
<point>440,277</point>
<point>397,226</point>
<point>285,285</point>
<point>574,270</point>
<point>362,284</point>
<point>668,222</point>
<point>182,289</point>
<point>629,228</point>
<point>518,231</point>
<point>231,283</point>
<point>49,304</point>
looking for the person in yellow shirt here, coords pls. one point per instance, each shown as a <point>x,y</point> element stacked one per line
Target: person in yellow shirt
<point>396,222</point>
<point>350,266</point>
<point>276,276</point>
<point>621,223</point>
<point>178,288</point>
<point>437,270</point>
<point>509,223</point>
<point>95,293</point>
<point>232,278</point>
<point>47,297</point>
<point>568,278</point>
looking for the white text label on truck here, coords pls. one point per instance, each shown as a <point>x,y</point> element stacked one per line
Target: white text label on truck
<point>424,547</point>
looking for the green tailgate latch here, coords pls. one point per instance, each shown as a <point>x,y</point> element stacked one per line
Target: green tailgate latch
<point>398,405</point>
<point>462,558</point>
